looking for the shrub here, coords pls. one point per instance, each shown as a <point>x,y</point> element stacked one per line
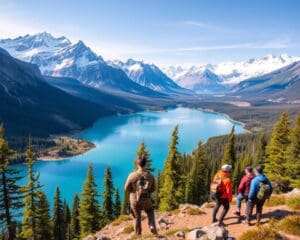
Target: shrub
<point>195,211</point>
<point>265,232</point>
<point>121,219</point>
<point>290,225</point>
<point>128,229</point>
<point>275,200</point>
<point>294,202</point>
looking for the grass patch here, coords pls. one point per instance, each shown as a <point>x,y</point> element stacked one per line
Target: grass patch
<point>128,229</point>
<point>195,211</point>
<point>290,225</point>
<point>275,200</point>
<point>175,211</point>
<point>293,202</point>
<point>121,219</point>
<point>210,205</point>
<point>265,232</point>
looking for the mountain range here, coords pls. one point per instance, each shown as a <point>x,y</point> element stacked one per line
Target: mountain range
<point>281,85</point>
<point>227,73</point>
<point>58,57</point>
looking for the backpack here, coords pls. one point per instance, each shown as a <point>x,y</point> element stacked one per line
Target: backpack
<point>216,188</point>
<point>143,188</point>
<point>264,191</point>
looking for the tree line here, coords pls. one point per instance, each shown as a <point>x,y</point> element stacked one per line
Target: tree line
<point>185,178</point>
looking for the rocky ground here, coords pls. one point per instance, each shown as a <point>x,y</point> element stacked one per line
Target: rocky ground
<point>187,222</point>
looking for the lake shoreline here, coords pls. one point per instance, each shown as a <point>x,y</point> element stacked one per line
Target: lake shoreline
<point>166,109</point>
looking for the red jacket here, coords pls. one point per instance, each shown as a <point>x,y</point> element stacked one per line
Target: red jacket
<point>226,184</point>
<point>244,186</point>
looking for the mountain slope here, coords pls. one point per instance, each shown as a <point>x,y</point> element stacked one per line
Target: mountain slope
<point>76,88</point>
<point>150,76</point>
<point>201,81</point>
<point>30,106</point>
<point>282,83</point>
<point>59,57</point>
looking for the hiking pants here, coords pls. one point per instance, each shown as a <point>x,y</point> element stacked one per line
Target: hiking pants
<point>240,197</point>
<point>137,208</point>
<point>221,202</point>
<point>259,206</point>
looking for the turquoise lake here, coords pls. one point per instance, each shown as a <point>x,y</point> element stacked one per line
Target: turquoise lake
<point>117,139</point>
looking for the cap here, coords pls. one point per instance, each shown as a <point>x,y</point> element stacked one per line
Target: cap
<point>226,168</point>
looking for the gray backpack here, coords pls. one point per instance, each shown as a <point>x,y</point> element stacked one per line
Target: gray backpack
<point>143,188</point>
<point>264,191</point>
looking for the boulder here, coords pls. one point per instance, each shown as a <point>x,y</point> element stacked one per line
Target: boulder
<point>183,208</point>
<point>294,193</point>
<point>216,232</point>
<point>163,223</point>
<point>195,234</point>
<point>179,234</point>
<point>90,237</point>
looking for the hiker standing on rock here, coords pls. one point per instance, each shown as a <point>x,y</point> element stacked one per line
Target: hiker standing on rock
<point>221,192</point>
<point>141,184</point>
<point>243,190</point>
<point>260,190</point>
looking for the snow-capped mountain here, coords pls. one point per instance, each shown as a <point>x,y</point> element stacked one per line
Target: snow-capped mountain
<point>148,75</point>
<point>59,57</point>
<point>201,80</point>
<point>234,72</point>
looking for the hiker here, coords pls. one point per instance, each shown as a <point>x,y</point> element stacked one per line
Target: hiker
<point>221,192</point>
<point>243,190</point>
<point>260,190</point>
<point>140,184</point>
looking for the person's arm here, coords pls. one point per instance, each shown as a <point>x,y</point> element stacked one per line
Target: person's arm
<point>153,187</point>
<point>253,189</point>
<point>241,187</point>
<point>229,190</point>
<point>127,186</point>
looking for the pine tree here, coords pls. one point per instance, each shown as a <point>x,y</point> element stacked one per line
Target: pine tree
<point>107,207</point>
<point>157,191</point>
<point>276,154</point>
<point>125,203</point>
<point>57,220</point>
<point>117,204</point>
<point>196,191</point>
<point>11,195</point>
<point>229,152</point>
<point>31,197</point>
<point>237,175</point>
<point>43,221</point>
<point>293,155</point>
<point>66,220</point>
<point>261,150</point>
<point>142,151</point>
<point>171,193</point>
<point>89,213</point>
<point>75,227</point>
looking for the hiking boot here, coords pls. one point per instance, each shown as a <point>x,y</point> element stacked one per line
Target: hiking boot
<point>214,220</point>
<point>237,213</point>
<point>153,230</point>
<point>221,224</point>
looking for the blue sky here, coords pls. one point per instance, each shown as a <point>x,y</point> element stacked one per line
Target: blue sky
<point>163,32</point>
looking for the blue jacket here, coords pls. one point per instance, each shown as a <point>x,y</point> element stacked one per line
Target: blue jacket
<point>254,186</point>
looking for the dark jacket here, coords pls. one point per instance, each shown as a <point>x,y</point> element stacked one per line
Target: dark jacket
<point>244,186</point>
<point>254,186</point>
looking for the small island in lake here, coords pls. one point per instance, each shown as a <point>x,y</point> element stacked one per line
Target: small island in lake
<point>64,147</point>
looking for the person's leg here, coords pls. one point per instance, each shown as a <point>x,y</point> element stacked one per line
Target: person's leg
<point>149,209</point>
<point>239,200</point>
<point>137,218</point>
<point>259,207</point>
<point>249,210</point>
<point>215,211</point>
<point>225,204</point>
